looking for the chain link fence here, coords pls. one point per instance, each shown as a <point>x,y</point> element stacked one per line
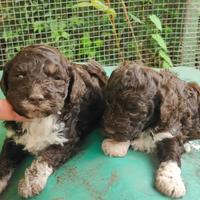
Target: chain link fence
<point>160,33</point>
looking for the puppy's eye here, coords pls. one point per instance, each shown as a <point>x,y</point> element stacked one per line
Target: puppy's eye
<point>56,77</point>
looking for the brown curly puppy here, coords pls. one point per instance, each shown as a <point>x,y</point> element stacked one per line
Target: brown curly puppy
<point>151,111</point>
<point>64,102</point>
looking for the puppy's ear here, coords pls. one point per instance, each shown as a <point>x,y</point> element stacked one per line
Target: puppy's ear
<point>95,69</point>
<point>4,81</point>
<point>169,106</point>
<point>78,88</point>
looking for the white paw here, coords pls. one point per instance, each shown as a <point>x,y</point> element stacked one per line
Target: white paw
<point>114,148</point>
<point>147,142</point>
<point>35,179</point>
<point>143,145</point>
<point>187,147</point>
<point>169,181</point>
<point>4,181</point>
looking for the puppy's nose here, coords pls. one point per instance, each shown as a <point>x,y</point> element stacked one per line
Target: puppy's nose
<point>36,98</point>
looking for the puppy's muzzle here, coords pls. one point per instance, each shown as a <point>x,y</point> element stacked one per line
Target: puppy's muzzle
<point>36,99</point>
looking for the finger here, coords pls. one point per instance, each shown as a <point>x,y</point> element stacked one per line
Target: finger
<point>20,118</point>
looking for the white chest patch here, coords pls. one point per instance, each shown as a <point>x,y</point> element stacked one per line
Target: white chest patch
<point>146,143</point>
<point>39,134</point>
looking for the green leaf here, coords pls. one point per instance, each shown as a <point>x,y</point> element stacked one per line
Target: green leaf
<point>165,65</point>
<point>110,11</point>
<point>167,60</point>
<point>55,35</point>
<point>99,43</point>
<point>82,5</point>
<point>75,21</point>
<point>136,19</point>
<point>102,7</point>
<point>69,54</point>
<point>39,26</point>
<point>65,35</point>
<point>160,41</point>
<point>91,53</point>
<point>85,40</point>
<point>98,5</point>
<point>61,25</point>
<point>18,48</point>
<point>156,21</point>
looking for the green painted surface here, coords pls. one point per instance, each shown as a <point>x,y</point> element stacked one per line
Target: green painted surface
<point>92,176</point>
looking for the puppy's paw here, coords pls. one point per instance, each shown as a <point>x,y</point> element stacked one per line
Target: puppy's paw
<point>187,147</point>
<point>4,181</point>
<point>114,148</point>
<point>169,181</point>
<point>35,179</point>
<point>147,142</point>
<point>143,145</point>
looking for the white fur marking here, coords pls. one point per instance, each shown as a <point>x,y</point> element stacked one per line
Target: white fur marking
<point>10,133</point>
<point>146,143</point>
<point>169,181</point>
<point>195,145</point>
<point>40,133</point>
<point>113,148</point>
<point>187,147</point>
<point>35,179</point>
<point>4,181</point>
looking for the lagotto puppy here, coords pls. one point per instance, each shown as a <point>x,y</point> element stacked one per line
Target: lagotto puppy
<point>152,111</point>
<point>63,101</point>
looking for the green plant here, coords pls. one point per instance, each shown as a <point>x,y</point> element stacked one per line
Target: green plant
<point>99,5</point>
<point>108,31</point>
<point>153,26</point>
<point>162,51</point>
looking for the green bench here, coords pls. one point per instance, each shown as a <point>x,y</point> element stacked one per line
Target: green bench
<point>91,175</point>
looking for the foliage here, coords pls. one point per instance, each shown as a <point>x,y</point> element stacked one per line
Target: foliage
<point>83,29</point>
<point>98,5</point>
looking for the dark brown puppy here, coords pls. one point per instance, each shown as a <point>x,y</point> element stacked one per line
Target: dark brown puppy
<point>64,102</point>
<point>152,111</point>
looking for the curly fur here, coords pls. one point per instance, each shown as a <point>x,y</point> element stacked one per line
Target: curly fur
<point>35,179</point>
<point>143,105</point>
<point>64,102</point>
<point>169,181</point>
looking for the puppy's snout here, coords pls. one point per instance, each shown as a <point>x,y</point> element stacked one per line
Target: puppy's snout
<point>36,98</point>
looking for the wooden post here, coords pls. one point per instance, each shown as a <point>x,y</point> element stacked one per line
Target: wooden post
<point>190,43</point>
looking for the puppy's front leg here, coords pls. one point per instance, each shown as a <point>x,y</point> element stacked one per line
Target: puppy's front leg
<point>11,155</point>
<point>168,176</point>
<point>37,174</point>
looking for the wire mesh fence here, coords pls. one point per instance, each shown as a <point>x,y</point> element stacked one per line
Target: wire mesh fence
<point>160,33</point>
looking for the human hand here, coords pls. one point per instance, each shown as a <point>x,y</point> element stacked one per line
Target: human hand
<point>7,113</point>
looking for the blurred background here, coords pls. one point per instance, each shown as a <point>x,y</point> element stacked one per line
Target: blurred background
<point>160,33</point>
